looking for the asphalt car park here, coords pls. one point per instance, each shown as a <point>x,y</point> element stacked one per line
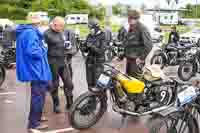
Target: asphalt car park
<point>59,123</point>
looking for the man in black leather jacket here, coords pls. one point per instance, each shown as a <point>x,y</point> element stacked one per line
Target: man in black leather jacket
<point>56,56</point>
<point>95,46</point>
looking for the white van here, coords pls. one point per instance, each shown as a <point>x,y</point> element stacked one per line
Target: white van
<point>76,19</point>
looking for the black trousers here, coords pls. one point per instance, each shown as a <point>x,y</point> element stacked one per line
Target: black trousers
<point>64,73</point>
<point>131,67</point>
<point>69,62</point>
<point>94,68</point>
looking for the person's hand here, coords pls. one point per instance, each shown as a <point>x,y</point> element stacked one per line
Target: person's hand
<point>139,61</point>
<point>118,59</point>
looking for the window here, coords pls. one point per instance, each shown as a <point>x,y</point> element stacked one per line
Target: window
<point>172,17</point>
<point>72,18</point>
<point>166,17</point>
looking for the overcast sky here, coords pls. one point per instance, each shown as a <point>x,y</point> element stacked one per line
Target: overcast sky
<point>149,3</point>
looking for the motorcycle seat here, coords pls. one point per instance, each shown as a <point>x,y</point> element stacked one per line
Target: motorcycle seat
<point>152,73</point>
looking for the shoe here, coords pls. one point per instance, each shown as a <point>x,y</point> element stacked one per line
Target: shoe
<point>56,110</point>
<point>41,127</point>
<point>43,119</point>
<point>69,102</point>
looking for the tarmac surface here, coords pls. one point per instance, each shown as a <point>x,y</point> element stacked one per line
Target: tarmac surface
<point>59,123</point>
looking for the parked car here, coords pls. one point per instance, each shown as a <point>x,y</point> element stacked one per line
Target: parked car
<point>191,37</point>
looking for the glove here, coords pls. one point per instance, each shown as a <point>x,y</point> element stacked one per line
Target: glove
<point>89,45</point>
<point>68,45</point>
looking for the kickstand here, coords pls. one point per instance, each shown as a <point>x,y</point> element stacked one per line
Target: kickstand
<point>123,121</point>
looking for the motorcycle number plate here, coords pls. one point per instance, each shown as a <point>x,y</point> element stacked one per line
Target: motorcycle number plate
<point>187,95</point>
<point>104,80</point>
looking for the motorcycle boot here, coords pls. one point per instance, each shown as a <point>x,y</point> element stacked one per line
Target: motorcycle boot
<point>69,100</point>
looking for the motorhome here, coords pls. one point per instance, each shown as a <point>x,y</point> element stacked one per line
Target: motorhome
<point>76,18</point>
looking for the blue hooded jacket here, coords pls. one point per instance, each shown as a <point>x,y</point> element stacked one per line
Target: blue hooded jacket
<point>31,55</point>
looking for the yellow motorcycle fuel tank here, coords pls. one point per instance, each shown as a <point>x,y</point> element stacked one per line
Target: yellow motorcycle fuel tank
<point>131,85</point>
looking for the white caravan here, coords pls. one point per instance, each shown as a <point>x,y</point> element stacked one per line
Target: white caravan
<point>76,18</point>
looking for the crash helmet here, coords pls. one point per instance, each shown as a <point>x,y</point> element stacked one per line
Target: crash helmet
<point>93,23</point>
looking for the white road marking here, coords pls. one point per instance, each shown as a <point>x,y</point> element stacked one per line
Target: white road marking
<point>7,93</point>
<point>54,131</point>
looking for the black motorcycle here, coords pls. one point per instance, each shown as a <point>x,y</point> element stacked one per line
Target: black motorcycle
<point>191,65</point>
<point>170,54</point>
<point>7,57</point>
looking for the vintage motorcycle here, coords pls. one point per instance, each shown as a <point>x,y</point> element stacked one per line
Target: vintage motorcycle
<point>170,54</point>
<point>129,96</point>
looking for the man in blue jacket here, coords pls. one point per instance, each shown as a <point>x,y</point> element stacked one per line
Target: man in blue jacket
<point>32,66</point>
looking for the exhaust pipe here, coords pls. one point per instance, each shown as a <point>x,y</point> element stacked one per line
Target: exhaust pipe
<point>119,110</point>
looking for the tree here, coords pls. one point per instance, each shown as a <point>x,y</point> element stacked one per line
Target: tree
<point>117,9</point>
<point>18,9</point>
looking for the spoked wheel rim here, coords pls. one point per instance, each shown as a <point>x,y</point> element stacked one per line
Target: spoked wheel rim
<point>87,110</point>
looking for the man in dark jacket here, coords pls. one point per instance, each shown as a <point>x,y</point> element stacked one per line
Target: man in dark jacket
<point>95,46</point>
<point>55,41</point>
<point>137,42</point>
<point>173,36</point>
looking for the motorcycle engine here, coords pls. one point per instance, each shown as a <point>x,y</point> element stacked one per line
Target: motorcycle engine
<point>173,57</point>
<point>133,101</point>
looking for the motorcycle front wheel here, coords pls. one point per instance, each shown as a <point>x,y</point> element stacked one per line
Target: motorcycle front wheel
<point>87,110</point>
<point>186,70</point>
<point>158,60</point>
<point>177,122</point>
